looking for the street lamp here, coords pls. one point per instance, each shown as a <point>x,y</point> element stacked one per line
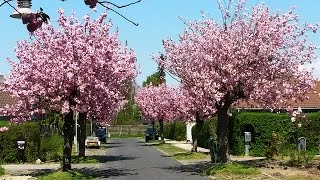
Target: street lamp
<point>23,7</point>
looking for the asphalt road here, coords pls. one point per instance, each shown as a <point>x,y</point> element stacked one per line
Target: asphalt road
<point>132,159</point>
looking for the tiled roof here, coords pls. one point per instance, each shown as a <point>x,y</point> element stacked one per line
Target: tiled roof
<point>312,103</point>
<point>6,98</point>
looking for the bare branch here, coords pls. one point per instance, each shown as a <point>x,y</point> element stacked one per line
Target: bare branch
<point>7,1</point>
<point>117,6</point>
<point>4,2</point>
<point>136,24</point>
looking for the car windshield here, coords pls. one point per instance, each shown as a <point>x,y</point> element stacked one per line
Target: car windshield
<point>151,130</point>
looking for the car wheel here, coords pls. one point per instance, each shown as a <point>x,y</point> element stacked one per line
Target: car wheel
<point>147,139</point>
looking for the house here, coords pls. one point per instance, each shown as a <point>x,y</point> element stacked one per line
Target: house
<point>5,98</point>
<point>312,104</point>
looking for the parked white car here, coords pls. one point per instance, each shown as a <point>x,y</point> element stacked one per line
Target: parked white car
<point>93,142</point>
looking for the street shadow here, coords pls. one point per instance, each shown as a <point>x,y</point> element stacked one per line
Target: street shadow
<point>93,172</point>
<point>102,159</point>
<point>194,168</point>
<point>107,173</point>
<point>117,145</point>
<point>113,143</point>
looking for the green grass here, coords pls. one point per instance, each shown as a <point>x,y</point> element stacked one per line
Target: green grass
<point>190,156</point>
<point>125,135</point>
<point>4,123</point>
<point>2,172</point>
<point>84,160</point>
<point>170,149</point>
<point>179,153</point>
<point>231,169</point>
<point>71,175</point>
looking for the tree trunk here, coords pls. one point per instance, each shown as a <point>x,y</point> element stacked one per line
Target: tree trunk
<point>223,135</point>
<point>82,134</point>
<point>161,130</point>
<point>199,124</point>
<point>68,128</point>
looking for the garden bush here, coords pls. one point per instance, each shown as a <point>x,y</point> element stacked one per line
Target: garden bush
<point>2,172</point>
<point>208,130</point>
<point>47,147</point>
<point>51,147</point>
<point>175,131</point>
<point>263,124</point>
<point>29,132</point>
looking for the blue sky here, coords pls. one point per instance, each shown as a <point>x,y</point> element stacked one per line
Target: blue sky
<point>157,20</point>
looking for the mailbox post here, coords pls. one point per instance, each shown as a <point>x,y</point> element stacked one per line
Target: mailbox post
<point>247,140</point>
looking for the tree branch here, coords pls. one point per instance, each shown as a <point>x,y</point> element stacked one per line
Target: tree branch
<point>4,2</point>
<point>7,1</point>
<point>117,6</point>
<point>136,24</point>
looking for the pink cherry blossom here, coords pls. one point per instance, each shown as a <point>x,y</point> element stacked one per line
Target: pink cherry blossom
<point>80,67</point>
<point>254,56</point>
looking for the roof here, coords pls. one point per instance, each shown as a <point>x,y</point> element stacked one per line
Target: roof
<point>313,102</point>
<point>6,98</point>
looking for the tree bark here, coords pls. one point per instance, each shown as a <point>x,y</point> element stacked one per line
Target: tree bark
<point>223,135</point>
<point>68,128</point>
<point>161,129</point>
<point>82,134</point>
<point>199,124</point>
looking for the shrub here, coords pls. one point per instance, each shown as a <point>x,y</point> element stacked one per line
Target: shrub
<point>208,130</point>
<point>2,172</point>
<point>301,158</point>
<point>175,131</point>
<point>51,147</point>
<point>29,132</point>
<point>263,124</point>
<point>47,147</point>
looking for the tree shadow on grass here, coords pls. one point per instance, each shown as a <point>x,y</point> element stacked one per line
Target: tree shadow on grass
<point>101,159</point>
<point>107,173</point>
<point>93,172</point>
<point>194,168</point>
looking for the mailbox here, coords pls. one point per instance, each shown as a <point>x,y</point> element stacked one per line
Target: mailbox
<point>247,136</point>
<point>21,145</point>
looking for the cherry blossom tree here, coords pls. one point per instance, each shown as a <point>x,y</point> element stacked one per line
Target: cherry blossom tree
<point>160,103</point>
<point>80,67</point>
<point>254,55</point>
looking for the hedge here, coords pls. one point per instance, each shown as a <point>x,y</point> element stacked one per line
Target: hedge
<point>37,146</point>
<point>208,130</point>
<point>262,126</point>
<point>175,131</point>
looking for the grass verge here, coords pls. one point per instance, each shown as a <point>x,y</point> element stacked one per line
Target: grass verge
<point>84,160</point>
<point>2,172</point>
<point>4,123</point>
<point>231,169</point>
<point>125,135</point>
<point>70,175</point>
<point>179,153</point>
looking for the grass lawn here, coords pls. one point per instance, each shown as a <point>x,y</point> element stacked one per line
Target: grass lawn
<point>2,172</point>
<point>83,160</point>
<point>125,135</point>
<point>179,153</point>
<point>4,123</point>
<point>232,171</point>
<point>63,176</point>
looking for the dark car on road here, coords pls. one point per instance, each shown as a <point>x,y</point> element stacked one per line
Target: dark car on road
<point>151,133</point>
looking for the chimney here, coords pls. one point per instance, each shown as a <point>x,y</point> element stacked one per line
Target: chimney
<point>1,78</point>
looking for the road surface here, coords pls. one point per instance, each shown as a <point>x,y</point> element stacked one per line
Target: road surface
<point>132,159</point>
